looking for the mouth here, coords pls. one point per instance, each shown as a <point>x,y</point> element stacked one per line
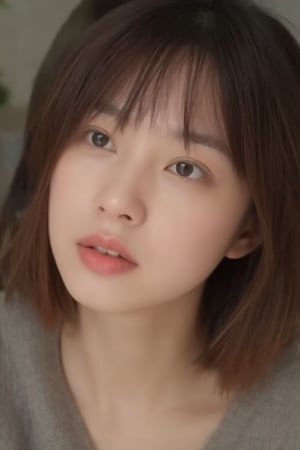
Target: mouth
<point>105,251</point>
<point>107,246</point>
<point>104,261</point>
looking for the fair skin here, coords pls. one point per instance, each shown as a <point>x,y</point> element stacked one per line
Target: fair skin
<point>128,358</point>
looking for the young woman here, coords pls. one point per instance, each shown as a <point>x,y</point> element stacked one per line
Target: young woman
<point>151,280</point>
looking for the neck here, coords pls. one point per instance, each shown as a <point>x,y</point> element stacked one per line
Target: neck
<point>144,357</point>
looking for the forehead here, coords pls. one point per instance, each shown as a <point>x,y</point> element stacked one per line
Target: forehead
<point>176,102</point>
<point>169,117</point>
<point>202,111</point>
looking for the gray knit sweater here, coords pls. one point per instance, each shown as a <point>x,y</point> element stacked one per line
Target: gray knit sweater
<point>37,411</point>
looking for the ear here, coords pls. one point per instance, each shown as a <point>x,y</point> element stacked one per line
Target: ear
<point>248,239</point>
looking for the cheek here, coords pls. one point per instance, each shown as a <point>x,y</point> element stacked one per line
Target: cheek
<point>198,234</point>
<point>64,200</point>
<point>68,191</point>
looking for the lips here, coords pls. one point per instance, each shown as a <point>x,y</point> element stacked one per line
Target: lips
<point>107,243</point>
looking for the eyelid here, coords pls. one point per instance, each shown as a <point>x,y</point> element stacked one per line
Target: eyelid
<point>94,128</point>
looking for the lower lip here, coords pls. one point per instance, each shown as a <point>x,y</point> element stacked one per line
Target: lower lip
<point>103,264</point>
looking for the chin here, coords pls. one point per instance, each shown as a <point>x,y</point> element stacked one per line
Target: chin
<point>104,302</point>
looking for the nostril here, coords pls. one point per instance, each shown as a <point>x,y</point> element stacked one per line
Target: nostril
<point>121,216</point>
<point>126,216</point>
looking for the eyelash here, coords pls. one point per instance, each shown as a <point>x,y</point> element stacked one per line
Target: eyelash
<point>204,171</point>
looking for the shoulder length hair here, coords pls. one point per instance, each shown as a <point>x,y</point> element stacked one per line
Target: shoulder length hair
<point>250,307</point>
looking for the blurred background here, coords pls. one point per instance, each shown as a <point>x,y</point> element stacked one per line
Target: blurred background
<point>27,29</point>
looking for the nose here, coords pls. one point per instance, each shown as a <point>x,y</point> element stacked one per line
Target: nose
<point>123,199</point>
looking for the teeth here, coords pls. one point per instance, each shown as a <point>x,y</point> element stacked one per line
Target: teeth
<point>107,252</point>
<point>112,253</point>
<point>100,249</point>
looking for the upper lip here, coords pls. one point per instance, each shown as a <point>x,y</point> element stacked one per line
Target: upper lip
<point>109,243</point>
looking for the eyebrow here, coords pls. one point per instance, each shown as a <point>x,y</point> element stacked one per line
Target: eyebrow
<point>194,137</point>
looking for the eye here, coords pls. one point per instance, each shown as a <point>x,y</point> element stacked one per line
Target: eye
<point>99,139</point>
<point>187,170</point>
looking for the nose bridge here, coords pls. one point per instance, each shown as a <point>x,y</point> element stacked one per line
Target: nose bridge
<point>124,192</point>
<point>134,160</point>
<point>130,173</point>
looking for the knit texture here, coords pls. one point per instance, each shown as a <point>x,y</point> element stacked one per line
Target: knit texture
<point>38,412</point>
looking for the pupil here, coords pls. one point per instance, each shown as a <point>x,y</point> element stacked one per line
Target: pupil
<point>184,169</point>
<point>99,139</point>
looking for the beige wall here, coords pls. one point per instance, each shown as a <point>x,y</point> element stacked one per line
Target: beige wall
<point>26,30</point>
<point>289,10</point>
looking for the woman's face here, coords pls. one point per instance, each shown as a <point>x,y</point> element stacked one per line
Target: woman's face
<point>176,214</point>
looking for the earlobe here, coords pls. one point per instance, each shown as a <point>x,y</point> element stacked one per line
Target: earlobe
<point>248,240</point>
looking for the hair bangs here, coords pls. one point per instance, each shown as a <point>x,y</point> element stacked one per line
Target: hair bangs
<point>140,81</point>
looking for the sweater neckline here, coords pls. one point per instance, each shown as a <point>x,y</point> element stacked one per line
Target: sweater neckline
<point>232,423</point>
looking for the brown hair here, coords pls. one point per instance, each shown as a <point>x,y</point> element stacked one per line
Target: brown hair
<point>250,307</point>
